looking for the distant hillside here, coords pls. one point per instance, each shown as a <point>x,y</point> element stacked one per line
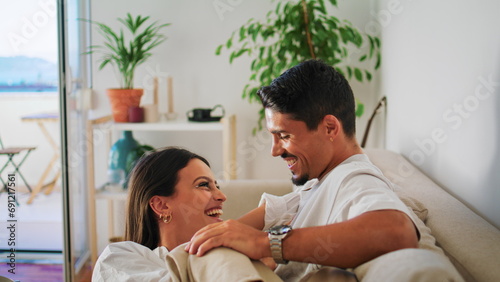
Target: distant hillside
<point>21,70</point>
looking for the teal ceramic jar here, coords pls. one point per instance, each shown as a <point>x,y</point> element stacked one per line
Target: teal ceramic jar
<point>118,156</point>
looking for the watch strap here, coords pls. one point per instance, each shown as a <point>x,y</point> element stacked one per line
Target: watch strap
<point>276,249</point>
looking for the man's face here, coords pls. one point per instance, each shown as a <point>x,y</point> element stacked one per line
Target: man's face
<point>304,150</point>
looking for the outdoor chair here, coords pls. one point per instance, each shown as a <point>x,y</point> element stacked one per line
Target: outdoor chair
<point>16,163</point>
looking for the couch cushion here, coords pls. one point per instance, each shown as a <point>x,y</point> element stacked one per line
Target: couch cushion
<point>412,265</point>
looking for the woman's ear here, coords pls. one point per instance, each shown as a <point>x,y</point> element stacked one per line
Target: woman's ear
<point>159,204</point>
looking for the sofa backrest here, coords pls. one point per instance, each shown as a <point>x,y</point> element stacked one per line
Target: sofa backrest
<point>471,243</point>
<point>244,195</point>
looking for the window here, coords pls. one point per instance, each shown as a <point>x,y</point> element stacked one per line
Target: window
<point>28,51</point>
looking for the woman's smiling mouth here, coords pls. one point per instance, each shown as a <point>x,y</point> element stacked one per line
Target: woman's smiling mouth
<point>214,212</point>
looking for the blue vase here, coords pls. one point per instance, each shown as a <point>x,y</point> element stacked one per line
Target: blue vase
<point>119,152</point>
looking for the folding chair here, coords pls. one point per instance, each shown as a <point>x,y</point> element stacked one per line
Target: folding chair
<point>10,152</point>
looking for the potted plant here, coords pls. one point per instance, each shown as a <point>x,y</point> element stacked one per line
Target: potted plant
<point>125,54</point>
<point>296,31</point>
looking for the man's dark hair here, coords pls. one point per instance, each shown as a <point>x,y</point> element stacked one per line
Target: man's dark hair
<point>308,92</point>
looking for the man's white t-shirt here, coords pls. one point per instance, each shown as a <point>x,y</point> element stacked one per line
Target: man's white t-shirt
<point>352,188</point>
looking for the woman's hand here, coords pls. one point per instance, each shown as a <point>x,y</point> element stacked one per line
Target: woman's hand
<point>231,234</point>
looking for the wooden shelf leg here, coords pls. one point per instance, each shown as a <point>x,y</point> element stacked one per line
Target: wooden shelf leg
<point>229,147</point>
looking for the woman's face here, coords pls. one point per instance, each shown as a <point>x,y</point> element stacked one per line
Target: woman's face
<point>197,200</point>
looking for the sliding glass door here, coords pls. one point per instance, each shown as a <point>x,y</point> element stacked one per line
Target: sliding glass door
<point>74,84</point>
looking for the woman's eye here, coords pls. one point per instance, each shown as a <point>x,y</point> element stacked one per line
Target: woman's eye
<point>204,185</point>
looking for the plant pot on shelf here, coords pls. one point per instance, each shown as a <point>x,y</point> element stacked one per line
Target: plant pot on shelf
<point>121,100</point>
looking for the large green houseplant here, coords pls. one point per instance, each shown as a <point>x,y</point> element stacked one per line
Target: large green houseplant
<point>295,31</point>
<point>125,53</point>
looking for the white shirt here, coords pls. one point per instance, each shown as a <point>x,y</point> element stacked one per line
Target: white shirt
<point>129,261</point>
<point>352,188</point>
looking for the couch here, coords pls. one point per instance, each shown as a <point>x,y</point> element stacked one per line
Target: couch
<point>470,243</point>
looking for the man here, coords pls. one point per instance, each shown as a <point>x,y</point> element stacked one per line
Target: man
<point>345,214</point>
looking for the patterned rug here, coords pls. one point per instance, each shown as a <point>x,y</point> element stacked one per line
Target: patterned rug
<point>33,272</point>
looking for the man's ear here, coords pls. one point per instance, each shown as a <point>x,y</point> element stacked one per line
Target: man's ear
<point>332,126</point>
<point>159,204</point>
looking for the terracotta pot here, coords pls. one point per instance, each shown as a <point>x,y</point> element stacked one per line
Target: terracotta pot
<point>121,100</point>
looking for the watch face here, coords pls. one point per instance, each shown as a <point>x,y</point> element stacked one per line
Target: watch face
<point>280,229</point>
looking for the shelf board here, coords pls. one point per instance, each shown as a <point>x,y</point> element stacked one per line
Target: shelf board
<point>178,125</point>
<point>109,195</point>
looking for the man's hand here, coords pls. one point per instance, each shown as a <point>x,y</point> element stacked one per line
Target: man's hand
<point>231,234</point>
<point>269,262</point>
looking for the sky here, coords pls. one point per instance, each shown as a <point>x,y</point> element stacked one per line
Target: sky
<point>28,28</point>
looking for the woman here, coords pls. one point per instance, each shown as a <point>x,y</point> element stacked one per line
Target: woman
<point>172,194</point>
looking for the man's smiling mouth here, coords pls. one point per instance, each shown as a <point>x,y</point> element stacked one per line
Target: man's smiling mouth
<point>291,162</point>
<point>289,159</point>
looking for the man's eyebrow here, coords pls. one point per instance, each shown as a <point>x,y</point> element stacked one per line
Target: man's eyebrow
<point>278,131</point>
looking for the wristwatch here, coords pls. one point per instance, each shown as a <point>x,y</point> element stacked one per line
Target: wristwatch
<point>276,235</point>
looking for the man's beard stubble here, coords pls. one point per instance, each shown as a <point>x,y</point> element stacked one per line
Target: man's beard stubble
<point>300,180</point>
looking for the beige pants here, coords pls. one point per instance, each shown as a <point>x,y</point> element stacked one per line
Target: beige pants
<point>220,264</point>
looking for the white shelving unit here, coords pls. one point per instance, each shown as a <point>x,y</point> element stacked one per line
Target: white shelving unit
<point>227,126</point>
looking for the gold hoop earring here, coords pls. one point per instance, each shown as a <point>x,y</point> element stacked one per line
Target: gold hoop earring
<point>166,218</point>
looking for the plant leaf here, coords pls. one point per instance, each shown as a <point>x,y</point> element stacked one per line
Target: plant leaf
<point>360,108</point>
<point>242,33</point>
<point>217,51</point>
<point>245,91</point>
<point>333,2</point>
<point>232,56</point>
<point>349,71</point>
<point>358,74</point>
<point>368,75</point>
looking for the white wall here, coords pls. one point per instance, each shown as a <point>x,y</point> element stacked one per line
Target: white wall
<point>441,73</point>
<point>202,79</point>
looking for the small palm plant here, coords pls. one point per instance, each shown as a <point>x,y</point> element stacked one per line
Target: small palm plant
<point>126,56</point>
